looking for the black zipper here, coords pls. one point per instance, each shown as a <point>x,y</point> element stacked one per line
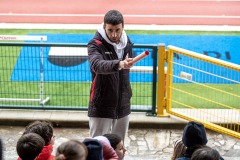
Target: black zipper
<point>126,51</point>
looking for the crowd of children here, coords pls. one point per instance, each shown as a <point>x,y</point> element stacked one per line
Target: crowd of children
<point>37,140</point>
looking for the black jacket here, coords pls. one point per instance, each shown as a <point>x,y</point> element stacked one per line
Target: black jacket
<point>110,90</point>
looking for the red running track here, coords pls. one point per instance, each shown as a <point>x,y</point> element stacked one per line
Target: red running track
<point>160,12</point>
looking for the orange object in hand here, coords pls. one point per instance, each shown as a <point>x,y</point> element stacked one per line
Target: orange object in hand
<point>140,56</point>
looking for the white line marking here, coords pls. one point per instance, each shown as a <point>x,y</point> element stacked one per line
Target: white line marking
<point>24,38</point>
<point>68,51</point>
<point>129,15</point>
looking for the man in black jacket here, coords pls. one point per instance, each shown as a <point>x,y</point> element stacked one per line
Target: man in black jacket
<point>110,58</point>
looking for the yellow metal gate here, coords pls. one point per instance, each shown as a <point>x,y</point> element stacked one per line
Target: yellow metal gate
<point>199,88</point>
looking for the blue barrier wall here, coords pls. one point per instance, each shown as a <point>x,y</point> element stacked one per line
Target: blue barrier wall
<point>221,47</point>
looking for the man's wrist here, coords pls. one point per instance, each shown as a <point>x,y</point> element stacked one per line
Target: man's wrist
<point>119,65</point>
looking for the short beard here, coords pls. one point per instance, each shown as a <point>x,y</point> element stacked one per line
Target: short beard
<point>110,39</point>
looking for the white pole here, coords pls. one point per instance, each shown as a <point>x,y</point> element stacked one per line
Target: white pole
<point>41,75</point>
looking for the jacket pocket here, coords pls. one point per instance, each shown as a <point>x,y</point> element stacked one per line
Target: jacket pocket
<point>100,93</point>
<point>126,84</point>
<point>96,98</point>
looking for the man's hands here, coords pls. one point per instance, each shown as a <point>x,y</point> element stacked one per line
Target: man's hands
<point>126,63</point>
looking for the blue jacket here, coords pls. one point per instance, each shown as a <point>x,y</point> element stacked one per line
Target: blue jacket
<point>183,158</point>
<point>187,155</point>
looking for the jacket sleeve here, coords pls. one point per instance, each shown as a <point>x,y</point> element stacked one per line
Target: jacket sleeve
<point>108,152</point>
<point>97,62</point>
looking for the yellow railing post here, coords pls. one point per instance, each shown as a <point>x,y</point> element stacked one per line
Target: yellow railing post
<point>169,81</point>
<point>161,104</point>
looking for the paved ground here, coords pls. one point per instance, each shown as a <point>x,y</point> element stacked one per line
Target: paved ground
<point>145,141</point>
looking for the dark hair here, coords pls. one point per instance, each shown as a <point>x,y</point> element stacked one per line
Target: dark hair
<point>72,150</point>
<point>29,146</point>
<point>114,139</point>
<point>205,153</point>
<point>113,17</point>
<point>194,134</point>
<point>42,128</point>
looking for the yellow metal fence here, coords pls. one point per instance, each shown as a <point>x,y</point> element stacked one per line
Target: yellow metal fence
<point>200,88</point>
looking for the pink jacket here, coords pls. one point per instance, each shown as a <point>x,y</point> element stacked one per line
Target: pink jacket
<point>108,152</point>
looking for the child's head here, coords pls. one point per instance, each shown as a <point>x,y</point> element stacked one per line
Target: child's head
<point>72,150</point>
<point>42,128</point>
<point>205,153</point>
<point>194,134</point>
<point>178,150</point>
<point>29,146</point>
<point>117,144</point>
<point>94,147</point>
